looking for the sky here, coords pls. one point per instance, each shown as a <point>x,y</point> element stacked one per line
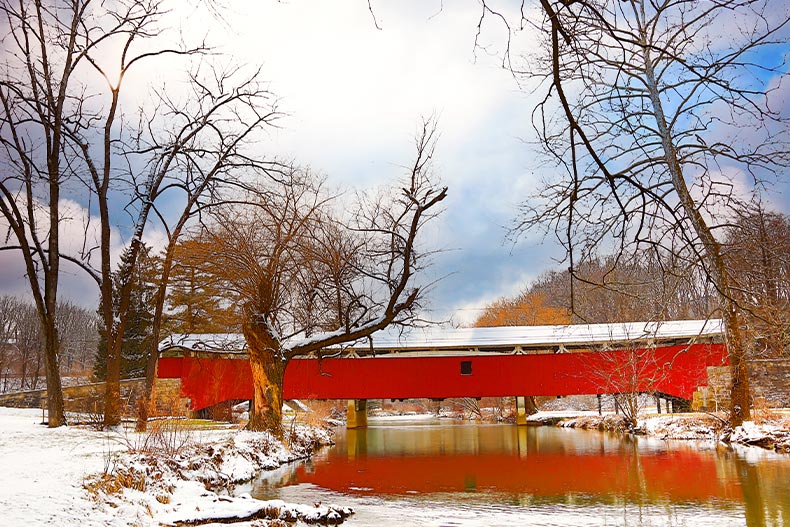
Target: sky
<point>354,90</point>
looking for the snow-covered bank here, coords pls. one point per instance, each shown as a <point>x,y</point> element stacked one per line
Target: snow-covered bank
<point>43,470</point>
<point>772,432</point>
<point>77,476</point>
<point>193,484</point>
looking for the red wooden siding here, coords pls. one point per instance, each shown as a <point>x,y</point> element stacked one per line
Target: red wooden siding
<point>675,370</point>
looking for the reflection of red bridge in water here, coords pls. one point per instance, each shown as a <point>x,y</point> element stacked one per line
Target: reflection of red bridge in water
<point>688,477</point>
<point>669,358</point>
<point>682,473</point>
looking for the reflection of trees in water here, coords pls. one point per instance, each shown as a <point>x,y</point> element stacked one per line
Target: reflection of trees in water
<point>284,475</point>
<point>766,490</point>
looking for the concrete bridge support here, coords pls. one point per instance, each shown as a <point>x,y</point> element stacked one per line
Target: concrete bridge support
<point>357,413</point>
<point>525,406</point>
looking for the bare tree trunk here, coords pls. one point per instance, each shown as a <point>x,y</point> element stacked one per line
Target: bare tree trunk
<point>146,399</point>
<point>23,372</point>
<point>530,407</point>
<point>37,371</point>
<point>739,391</point>
<point>55,407</point>
<point>740,395</point>
<point>268,371</point>
<point>152,361</point>
<point>112,388</point>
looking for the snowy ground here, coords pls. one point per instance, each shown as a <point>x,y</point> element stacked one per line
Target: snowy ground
<point>43,470</point>
<point>77,476</point>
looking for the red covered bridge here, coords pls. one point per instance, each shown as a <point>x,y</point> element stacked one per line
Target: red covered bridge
<point>669,358</point>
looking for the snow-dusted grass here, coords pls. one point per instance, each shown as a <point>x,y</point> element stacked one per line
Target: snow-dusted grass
<point>77,476</point>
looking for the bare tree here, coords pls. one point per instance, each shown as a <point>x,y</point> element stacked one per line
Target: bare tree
<point>64,128</point>
<point>8,311</point>
<point>42,54</point>
<point>29,354</point>
<point>628,374</point>
<point>608,289</point>
<point>210,145</point>
<point>21,354</point>
<point>120,39</point>
<point>652,109</point>
<point>79,338</point>
<point>307,280</point>
<point>758,251</point>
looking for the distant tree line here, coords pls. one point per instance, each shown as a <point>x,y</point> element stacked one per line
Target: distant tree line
<point>21,355</point>
<point>652,285</point>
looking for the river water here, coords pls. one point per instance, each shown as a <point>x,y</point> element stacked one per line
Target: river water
<point>439,473</point>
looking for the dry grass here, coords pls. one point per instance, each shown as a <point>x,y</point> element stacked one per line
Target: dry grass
<point>108,484</point>
<point>611,423</point>
<point>762,414</point>
<point>167,437</point>
<point>321,412</point>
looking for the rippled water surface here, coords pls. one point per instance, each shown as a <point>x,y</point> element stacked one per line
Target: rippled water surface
<point>435,473</point>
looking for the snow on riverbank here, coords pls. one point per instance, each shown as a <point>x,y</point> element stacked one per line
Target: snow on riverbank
<point>43,469</point>
<point>772,432</point>
<point>77,476</point>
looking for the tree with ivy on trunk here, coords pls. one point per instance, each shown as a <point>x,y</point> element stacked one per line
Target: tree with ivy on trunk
<point>309,275</point>
<point>664,119</point>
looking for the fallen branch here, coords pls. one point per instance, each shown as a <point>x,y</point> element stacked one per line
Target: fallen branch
<point>235,510</point>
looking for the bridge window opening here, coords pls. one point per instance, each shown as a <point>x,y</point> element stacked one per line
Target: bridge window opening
<point>466,367</point>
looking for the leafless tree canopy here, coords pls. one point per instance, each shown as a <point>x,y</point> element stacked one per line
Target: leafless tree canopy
<point>21,350</point>
<point>647,286</point>
<point>305,260</point>
<point>758,251</point>
<point>312,270</point>
<point>664,118</point>
<point>656,100</point>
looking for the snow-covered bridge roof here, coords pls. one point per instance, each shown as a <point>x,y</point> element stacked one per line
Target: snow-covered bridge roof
<point>538,337</point>
<point>502,338</point>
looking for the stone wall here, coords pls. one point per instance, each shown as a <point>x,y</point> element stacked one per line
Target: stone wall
<point>88,398</point>
<point>769,380</point>
<point>167,398</point>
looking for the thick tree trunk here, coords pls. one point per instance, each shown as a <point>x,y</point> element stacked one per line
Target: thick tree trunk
<point>55,409</point>
<point>152,361</point>
<point>112,387</point>
<point>268,370</point>
<point>740,395</point>
<point>144,404</point>
<point>530,407</point>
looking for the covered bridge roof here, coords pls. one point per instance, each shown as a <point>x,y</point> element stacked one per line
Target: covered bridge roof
<point>399,339</point>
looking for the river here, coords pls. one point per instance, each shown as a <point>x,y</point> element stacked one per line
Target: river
<point>427,472</point>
